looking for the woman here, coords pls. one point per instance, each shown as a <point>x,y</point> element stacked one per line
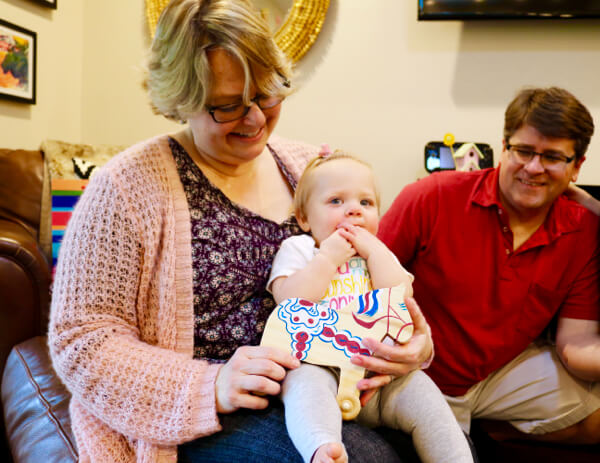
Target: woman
<point>159,298</point>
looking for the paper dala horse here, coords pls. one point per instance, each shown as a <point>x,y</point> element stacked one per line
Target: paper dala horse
<point>318,334</point>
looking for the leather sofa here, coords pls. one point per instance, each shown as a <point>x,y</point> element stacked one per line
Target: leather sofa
<point>34,405</point>
<point>36,425</point>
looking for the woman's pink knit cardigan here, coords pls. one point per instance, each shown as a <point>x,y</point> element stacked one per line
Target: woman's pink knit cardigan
<point>121,325</point>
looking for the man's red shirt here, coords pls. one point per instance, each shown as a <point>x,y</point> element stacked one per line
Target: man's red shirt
<point>486,303</point>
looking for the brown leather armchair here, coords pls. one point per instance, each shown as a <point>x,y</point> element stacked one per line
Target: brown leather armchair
<point>36,425</point>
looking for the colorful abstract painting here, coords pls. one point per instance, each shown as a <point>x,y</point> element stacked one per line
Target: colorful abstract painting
<point>17,63</point>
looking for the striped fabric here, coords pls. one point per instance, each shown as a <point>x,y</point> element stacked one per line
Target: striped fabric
<point>65,194</point>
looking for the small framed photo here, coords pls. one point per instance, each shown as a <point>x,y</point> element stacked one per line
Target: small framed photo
<point>18,47</point>
<point>48,3</point>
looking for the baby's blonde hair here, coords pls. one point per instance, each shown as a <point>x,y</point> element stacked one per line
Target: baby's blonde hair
<point>306,182</point>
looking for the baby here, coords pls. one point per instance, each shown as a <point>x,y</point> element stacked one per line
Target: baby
<point>337,202</point>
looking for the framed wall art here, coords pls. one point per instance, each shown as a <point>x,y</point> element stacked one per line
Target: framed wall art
<point>18,47</point>
<point>48,3</point>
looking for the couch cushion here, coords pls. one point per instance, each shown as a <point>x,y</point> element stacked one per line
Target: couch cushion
<point>21,173</point>
<point>66,161</point>
<point>36,406</point>
<point>75,160</point>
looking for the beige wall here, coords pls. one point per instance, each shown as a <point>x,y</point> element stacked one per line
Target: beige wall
<point>57,113</point>
<point>115,108</point>
<point>379,83</point>
<point>389,83</point>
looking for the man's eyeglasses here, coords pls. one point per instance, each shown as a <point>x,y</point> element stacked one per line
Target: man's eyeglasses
<point>549,160</point>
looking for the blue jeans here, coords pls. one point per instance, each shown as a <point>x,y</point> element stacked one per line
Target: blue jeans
<point>252,436</point>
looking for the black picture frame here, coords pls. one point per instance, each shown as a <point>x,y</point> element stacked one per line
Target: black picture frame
<point>47,3</point>
<point>18,63</point>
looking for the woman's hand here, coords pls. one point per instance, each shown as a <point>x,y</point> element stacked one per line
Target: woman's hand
<point>583,197</point>
<point>251,370</point>
<point>396,360</point>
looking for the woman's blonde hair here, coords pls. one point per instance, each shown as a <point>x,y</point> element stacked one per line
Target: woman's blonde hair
<point>178,77</point>
<point>306,182</point>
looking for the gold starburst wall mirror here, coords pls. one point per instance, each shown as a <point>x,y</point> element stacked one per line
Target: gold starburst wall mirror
<point>295,23</point>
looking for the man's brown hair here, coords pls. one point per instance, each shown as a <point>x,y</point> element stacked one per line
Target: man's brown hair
<point>554,112</point>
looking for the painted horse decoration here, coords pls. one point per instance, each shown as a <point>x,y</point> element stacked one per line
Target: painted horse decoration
<point>321,335</point>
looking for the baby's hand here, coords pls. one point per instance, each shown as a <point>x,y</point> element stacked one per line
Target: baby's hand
<point>337,248</point>
<point>364,242</point>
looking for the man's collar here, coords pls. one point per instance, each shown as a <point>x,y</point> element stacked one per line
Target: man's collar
<point>486,192</point>
<point>565,216</point>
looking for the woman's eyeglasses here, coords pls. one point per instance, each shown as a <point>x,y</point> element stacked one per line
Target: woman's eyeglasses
<point>235,111</point>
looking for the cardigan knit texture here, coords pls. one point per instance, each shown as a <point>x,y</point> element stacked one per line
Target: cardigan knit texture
<point>121,325</point>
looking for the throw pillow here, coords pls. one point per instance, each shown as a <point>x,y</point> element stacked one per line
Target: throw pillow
<point>76,163</point>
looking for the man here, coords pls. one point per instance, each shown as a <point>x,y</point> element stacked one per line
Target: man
<point>497,255</point>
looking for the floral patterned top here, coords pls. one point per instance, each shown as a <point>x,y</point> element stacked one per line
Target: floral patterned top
<point>232,252</point>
